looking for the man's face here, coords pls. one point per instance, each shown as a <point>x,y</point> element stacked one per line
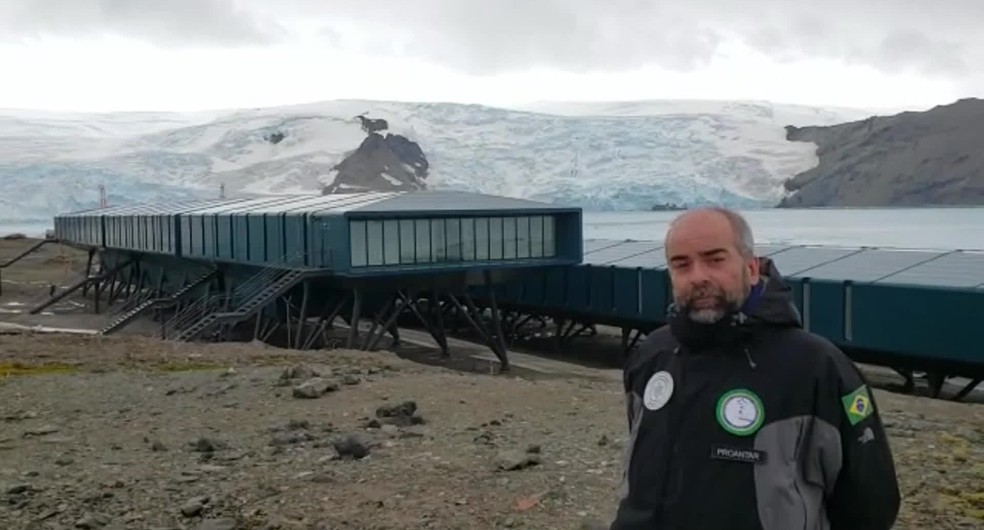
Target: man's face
<point>710,277</point>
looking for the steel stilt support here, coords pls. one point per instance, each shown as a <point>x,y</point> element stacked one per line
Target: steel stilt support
<point>354,325</point>
<point>304,309</point>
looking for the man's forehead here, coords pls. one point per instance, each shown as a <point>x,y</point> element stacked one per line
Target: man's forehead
<point>700,229</point>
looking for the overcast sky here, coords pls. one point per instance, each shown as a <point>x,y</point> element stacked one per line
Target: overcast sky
<point>198,54</point>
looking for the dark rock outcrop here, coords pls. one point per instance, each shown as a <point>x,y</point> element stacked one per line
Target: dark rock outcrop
<point>926,158</point>
<point>381,163</point>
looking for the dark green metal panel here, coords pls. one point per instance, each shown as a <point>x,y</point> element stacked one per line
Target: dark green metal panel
<point>224,237</point>
<point>294,236</point>
<point>578,288</point>
<point>895,318</point>
<point>209,243</point>
<point>240,238</point>
<point>556,287</point>
<point>275,247</point>
<point>511,291</point>
<point>534,288</point>
<point>625,292</point>
<point>257,234</point>
<point>797,287</point>
<point>655,294</point>
<point>186,222</point>
<point>825,312</point>
<point>328,242</point>
<point>195,241</point>
<point>600,290</point>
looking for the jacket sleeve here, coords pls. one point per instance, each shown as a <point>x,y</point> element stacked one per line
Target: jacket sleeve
<point>865,493</point>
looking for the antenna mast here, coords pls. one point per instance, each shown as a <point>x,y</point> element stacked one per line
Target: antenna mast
<point>103,202</point>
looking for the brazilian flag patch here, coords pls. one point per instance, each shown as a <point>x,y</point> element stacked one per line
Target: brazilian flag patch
<point>858,405</point>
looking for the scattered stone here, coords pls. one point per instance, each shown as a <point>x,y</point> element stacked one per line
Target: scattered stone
<point>225,523</point>
<point>291,438</point>
<point>19,489</point>
<point>511,460</point>
<point>208,445</point>
<point>92,521</point>
<point>352,446</point>
<point>64,461</point>
<point>349,379</point>
<point>298,371</point>
<point>594,524</point>
<point>402,415</point>
<point>314,388</point>
<point>533,449</point>
<point>296,425</point>
<point>158,447</point>
<point>390,429</point>
<point>194,506</point>
<point>41,431</point>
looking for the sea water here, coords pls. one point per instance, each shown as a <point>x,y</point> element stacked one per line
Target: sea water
<point>909,228</point>
<point>912,228</point>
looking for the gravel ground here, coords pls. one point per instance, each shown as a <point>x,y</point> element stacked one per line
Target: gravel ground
<point>127,432</point>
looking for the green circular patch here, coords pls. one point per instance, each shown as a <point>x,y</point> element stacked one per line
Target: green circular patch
<point>740,412</point>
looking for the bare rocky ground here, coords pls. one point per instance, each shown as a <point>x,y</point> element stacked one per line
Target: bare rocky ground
<point>127,432</point>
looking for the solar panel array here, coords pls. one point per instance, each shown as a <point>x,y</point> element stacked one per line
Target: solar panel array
<point>957,268</point>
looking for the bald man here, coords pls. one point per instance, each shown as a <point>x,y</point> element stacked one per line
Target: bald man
<point>738,418</point>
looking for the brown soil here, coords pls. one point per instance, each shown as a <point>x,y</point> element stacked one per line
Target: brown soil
<point>126,432</point>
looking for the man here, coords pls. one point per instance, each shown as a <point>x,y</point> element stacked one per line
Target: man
<point>739,419</point>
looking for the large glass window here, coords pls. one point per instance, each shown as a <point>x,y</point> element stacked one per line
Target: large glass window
<point>374,240</point>
<point>495,238</point>
<point>438,240</point>
<point>509,238</point>
<point>549,232</point>
<point>482,239</point>
<point>523,237</point>
<point>391,241</point>
<point>423,241</point>
<point>408,244</point>
<point>453,237</point>
<point>468,239</point>
<point>357,237</point>
<point>536,237</point>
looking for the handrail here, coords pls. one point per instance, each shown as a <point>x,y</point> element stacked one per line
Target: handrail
<point>242,292</point>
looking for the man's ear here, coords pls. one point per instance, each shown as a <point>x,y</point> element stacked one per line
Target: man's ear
<point>754,270</point>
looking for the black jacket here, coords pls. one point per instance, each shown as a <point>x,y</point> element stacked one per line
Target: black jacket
<point>768,427</point>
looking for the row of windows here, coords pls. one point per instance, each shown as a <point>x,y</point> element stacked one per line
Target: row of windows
<point>410,241</point>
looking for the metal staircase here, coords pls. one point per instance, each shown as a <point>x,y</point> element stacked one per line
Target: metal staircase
<point>245,300</point>
<point>129,313</point>
<point>249,303</point>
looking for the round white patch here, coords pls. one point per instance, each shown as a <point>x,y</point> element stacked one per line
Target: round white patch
<point>658,390</point>
<point>740,412</point>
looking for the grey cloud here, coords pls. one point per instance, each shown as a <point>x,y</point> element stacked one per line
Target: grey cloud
<point>942,37</point>
<point>494,36</point>
<point>165,22</point>
<point>936,38</point>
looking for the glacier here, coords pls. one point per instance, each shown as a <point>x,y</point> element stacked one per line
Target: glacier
<point>600,156</point>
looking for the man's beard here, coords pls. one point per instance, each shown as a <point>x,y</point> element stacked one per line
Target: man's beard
<point>724,303</point>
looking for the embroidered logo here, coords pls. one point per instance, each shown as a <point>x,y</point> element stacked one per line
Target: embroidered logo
<point>858,405</point>
<point>740,412</point>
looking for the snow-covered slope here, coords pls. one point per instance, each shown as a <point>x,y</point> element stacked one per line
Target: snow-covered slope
<point>596,155</point>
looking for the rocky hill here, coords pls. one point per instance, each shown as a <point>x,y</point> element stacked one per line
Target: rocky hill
<point>926,158</point>
<point>381,163</point>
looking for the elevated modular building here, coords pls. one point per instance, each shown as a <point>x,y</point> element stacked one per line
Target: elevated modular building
<point>341,253</point>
